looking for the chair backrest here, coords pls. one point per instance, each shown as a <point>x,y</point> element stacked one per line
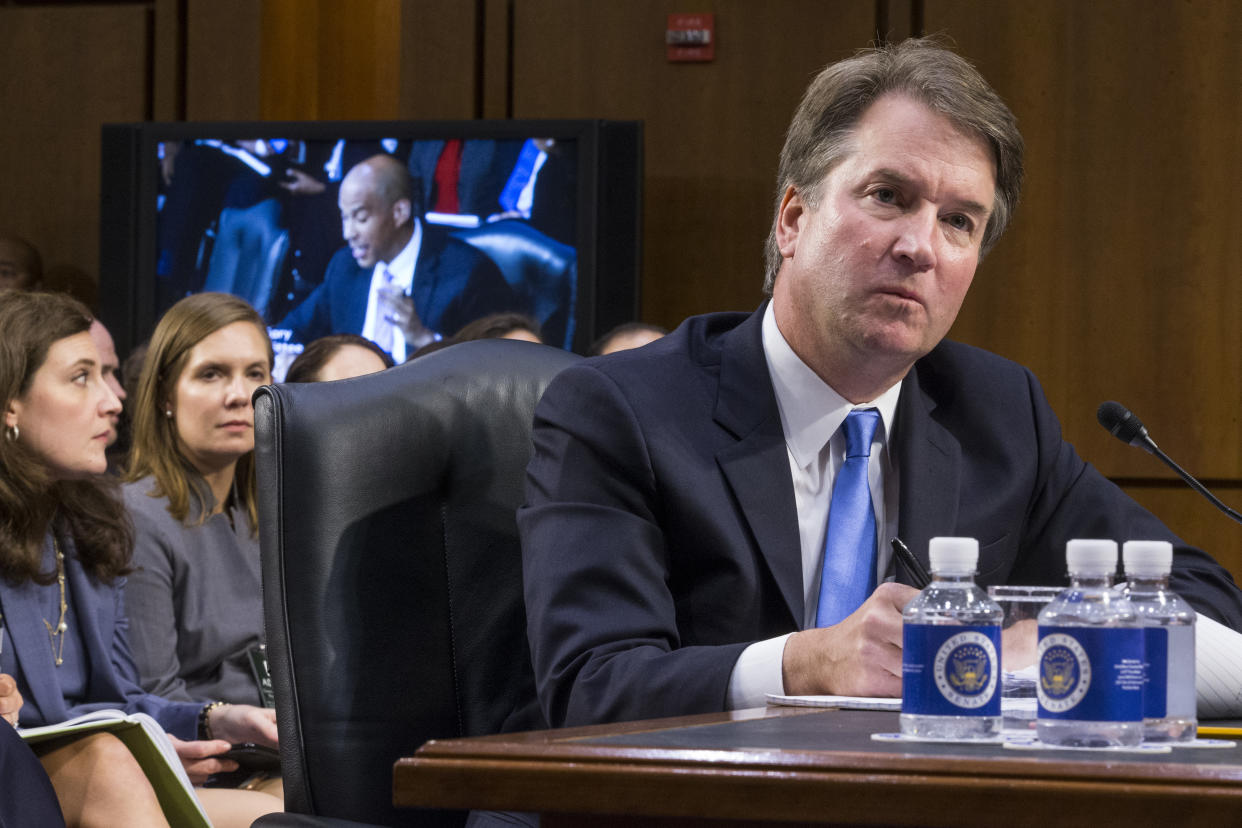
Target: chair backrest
<point>540,269</point>
<point>392,584</point>
<point>249,253</point>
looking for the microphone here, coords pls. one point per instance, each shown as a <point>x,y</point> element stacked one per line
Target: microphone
<point>1120,422</point>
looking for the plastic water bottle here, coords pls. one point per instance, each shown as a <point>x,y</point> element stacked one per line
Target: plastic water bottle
<point>950,658</point>
<point>1169,628</point>
<point>1090,657</point>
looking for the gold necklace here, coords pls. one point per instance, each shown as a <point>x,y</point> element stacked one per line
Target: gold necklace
<point>58,647</point>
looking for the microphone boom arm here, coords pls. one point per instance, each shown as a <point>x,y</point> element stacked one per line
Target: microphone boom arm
<point>1191,482</point>
<point>1120,422</point>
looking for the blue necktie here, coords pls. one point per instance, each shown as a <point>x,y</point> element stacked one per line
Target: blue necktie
<point>848,575</point>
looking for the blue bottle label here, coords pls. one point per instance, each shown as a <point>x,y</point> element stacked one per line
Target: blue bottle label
<point>1156,688</point>
<point>950,670</point>
<point>1091,674</point>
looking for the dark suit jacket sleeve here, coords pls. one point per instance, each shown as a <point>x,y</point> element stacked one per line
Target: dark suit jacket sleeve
<point>1074,500</point>
<point>31,801</point>
<point>309,320</point>
<point>603,622</point>
<point>313,317</point>
<point>468,286</point>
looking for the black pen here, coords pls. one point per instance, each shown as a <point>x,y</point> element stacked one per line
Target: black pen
<point>916,570</point>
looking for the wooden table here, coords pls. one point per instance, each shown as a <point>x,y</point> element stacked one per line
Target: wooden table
<point>801,765</point>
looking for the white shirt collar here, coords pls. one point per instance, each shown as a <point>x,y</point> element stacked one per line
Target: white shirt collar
<point>811,411</point>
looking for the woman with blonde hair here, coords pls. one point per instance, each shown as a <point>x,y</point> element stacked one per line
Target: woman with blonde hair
<point>65,545</point>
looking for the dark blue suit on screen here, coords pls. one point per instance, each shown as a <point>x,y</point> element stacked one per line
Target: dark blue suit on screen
<point>454,283</point>
<point>660,533</point>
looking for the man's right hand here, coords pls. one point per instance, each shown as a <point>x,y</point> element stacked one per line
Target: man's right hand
<point>299,183</point>
<point>398,309</point>
<point>861,656</point>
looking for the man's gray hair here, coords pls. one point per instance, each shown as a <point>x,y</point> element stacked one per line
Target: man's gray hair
<point>822,129</point>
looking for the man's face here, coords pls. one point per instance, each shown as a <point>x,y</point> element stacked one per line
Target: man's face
<point>110,367</point>
<point>14,270</point>
<point>877,268</point>
<point>371,227</point>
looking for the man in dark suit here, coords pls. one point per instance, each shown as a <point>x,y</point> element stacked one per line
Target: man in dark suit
<point>397,277</point>
<point>677,498</point>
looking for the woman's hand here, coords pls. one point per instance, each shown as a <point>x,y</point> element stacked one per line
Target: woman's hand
<point>198,757</point>
<point>10,699</point>
<point>238,723</point>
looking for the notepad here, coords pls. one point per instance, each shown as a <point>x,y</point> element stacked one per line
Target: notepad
<point>839,702</point>
<point>152,749</point>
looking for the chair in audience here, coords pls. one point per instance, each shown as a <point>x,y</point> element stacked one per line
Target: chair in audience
<point>392,569</point>
<point>248,253</point>
<point>540,269</point>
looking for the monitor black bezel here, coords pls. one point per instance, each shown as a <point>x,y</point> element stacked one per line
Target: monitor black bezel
<point>609,228</point>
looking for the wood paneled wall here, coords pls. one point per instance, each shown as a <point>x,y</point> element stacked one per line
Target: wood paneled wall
<point>324,60</point>
<point>65,71</point>
<point>329,59</point>
<point>712,131</point>
<point>1121,277</point>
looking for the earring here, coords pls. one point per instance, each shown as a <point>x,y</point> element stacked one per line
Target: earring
<point>168,413</point>
<point>11,433</point>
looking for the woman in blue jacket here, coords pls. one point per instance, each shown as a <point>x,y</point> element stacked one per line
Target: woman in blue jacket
<point>65,546</point>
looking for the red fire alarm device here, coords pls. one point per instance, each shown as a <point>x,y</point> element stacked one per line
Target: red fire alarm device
<point>690,38</point>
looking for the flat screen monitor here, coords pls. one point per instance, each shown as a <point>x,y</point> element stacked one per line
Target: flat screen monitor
<point>535,217</point>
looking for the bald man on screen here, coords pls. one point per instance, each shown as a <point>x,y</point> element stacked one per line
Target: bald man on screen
<point>398,281</point>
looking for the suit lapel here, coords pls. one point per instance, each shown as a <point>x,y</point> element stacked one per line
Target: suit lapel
<point>96,611</point>
<point>355,296</point>
<point>757,465</point>
<point>426,271</point>
<point>929,461</point>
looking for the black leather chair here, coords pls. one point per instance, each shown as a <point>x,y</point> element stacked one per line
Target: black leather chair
<point>248,253</point>
<point>391,568</point>
<point>542,272</point>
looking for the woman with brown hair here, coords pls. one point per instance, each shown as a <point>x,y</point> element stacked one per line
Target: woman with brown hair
<point>65,544</point>
<point>339,356</point>
<point>195,599</point>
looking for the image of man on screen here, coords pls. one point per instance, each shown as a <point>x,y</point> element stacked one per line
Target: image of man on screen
<point>679,536</point>
<point>399,281</point>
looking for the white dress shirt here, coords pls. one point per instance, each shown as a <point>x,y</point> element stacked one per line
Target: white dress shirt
<point>398,273</point>
<point>811,417</point>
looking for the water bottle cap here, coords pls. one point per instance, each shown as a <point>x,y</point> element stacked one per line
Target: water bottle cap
<point>1147,557</point>
<point>953,554</point>
<point>1091,555</point>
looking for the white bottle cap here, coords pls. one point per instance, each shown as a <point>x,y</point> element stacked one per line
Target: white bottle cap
<point>1091,557</point>
<point>957,555</point>
<point>1151,558</point>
